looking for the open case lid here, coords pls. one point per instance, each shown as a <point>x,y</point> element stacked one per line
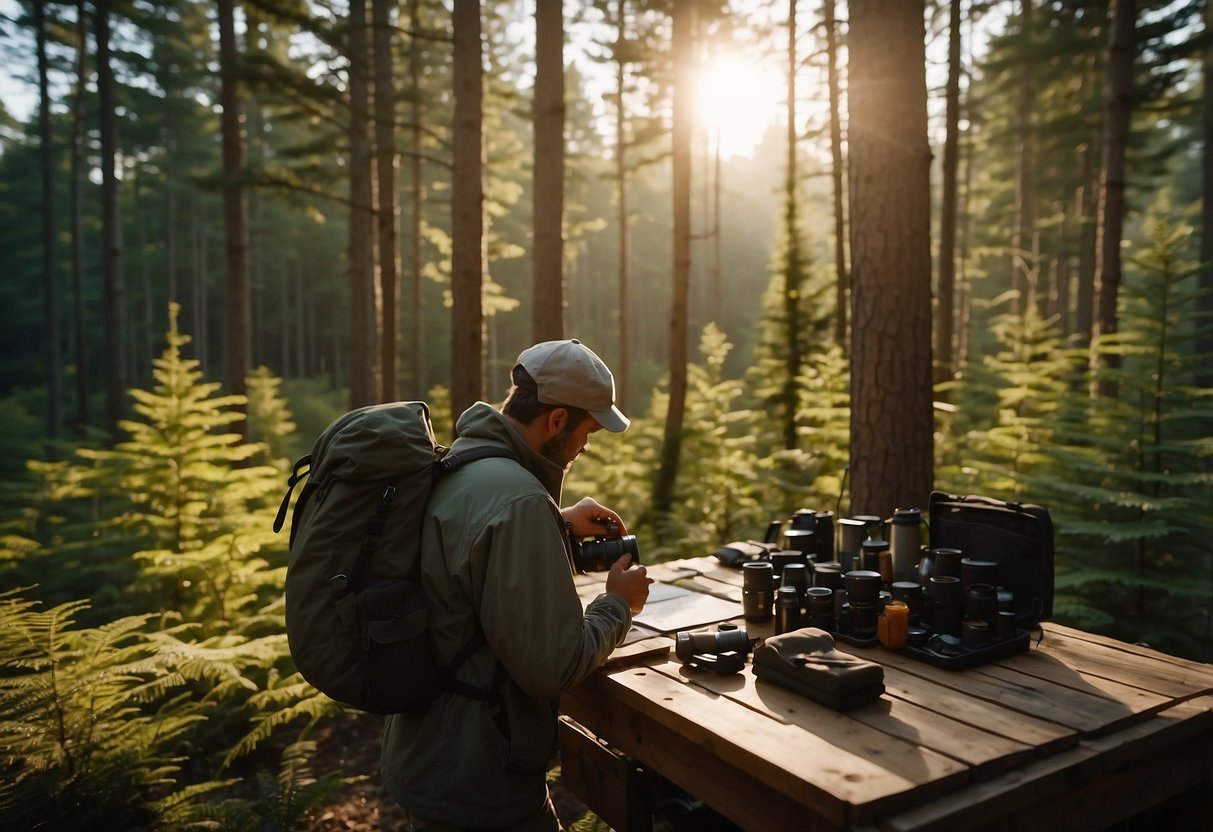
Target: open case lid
<point>1016,536</point>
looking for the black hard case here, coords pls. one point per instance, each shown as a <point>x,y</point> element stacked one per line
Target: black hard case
<point>1017,536</point>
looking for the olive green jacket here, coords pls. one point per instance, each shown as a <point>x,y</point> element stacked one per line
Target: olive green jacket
<point>495,551</point>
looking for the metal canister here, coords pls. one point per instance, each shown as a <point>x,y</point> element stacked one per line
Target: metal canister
<point>787,610</point>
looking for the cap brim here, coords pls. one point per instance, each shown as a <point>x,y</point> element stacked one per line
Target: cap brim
<point>611,420</point>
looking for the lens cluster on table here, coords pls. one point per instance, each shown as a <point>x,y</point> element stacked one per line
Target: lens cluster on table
<point>878,591</point>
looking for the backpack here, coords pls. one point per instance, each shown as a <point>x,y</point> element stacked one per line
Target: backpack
<point>356,619</point>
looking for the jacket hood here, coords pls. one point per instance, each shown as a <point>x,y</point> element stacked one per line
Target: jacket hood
<point>482,424</point>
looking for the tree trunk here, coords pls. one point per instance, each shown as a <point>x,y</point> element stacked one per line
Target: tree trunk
<point>682,53</point>
<point>1023,234</point>
<point>142,348</point>
<point>1110,219</point>
<point>83,386</point>
<point>50,279</point>
<point>113,285</point>
<point>1059,296</point>
<point>717,237</point>
<point>387,168</point>
<point>963,307</point>
<point>945,310</point>
<point>1204,302</point>
<point>793,275</point>
<point>416,203</point>
<point>467,219</point>
<point>842,278</point>
<point>891,412</point>
<point>364,389</point>
<point>235,210</point>
<point>1084,209</point>
<point>624,374</point>
<point>547,322</point>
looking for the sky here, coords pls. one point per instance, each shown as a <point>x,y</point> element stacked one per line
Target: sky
<point>19,96</point>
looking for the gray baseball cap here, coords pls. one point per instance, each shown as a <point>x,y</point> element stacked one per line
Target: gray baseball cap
<point>569,373</point>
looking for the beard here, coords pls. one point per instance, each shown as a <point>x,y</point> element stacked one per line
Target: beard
<point>562,448</point>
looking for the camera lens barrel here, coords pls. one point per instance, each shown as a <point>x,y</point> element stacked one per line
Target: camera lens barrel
<point>758,590</point>
<point>787,609</point>
<point>598,555</point>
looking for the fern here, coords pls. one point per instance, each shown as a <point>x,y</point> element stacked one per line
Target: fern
<point>80,744</point>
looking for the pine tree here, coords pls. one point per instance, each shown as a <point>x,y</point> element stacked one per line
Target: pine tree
<point>1131,477</point>
<point>182,493</point>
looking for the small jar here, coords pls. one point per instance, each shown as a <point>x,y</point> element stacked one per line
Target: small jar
<point>893,626</point>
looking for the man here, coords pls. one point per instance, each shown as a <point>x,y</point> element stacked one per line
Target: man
<point>496,562</point>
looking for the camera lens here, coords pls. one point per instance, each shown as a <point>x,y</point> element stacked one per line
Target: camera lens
<point>598,555</point>
<point>758,590</point>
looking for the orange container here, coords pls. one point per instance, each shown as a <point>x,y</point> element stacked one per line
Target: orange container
<point>893,626</point>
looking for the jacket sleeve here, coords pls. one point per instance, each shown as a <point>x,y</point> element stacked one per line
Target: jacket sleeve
<point>530,611</point>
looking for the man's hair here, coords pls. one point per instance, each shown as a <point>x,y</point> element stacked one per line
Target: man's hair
<point>522,401</point>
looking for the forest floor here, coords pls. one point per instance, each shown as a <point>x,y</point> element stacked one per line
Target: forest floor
<point>351,745</point>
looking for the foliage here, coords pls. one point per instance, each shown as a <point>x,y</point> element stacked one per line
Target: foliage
<point>95,723</point>
<point>269,415</point>
<point>198,543</point>
<point>1021,384</point>
<point>1138,561</point>
<point>1126,478</point>
<point>101,711</point>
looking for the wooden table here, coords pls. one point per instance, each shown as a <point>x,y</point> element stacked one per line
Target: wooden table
<point>1077,733</point>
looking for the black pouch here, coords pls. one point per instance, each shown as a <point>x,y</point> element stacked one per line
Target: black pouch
<point>401,673</point>
<point>1016,536</point>
<point>743,551</point>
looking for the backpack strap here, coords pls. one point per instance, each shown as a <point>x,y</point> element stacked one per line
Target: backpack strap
<point>304,462</point>
<point>452,461</point>
<point>370,541</point>
<point>378,520</point>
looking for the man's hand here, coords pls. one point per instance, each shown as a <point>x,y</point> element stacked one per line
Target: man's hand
<point>588,518</point>
<point>630,584</point>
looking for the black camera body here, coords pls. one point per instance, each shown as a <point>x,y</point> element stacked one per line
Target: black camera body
<point>598,553</point>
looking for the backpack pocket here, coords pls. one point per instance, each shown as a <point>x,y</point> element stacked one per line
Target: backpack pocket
<point>400,672</point>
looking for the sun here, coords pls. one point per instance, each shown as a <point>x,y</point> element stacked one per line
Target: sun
<point>737,100</point>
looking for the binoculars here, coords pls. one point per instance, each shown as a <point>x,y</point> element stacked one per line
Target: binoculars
<point>722,651</point>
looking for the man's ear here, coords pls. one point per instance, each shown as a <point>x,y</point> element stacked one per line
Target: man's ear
<point>555,420</point>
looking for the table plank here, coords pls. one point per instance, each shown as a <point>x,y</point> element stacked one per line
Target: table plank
<point>1205,670</point>
<point>1044,736</point>
<point>1071,691</point>
<point>734,780</point>
<point>842,768</point>
<point>1082,711</point>
<point>1147,670</point>
<point>1091,786</point>
<point>633,652</point>
<point>980,752</point>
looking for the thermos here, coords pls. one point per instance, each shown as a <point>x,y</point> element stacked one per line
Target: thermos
<point>905,540</point>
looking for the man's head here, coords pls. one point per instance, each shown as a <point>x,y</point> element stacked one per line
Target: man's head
<point>561,393</point>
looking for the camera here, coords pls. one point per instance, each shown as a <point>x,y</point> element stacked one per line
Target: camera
<point>597,554</point>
